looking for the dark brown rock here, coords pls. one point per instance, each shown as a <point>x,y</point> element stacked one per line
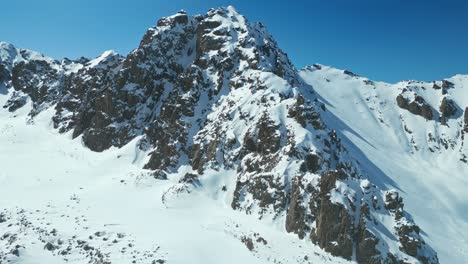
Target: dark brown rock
<point>334,227</point>
<point>393,200</point>
<point>4,73</point>
<point>402,102</point>
<point>180,18</point>
<point>366,252</point>
<point>258,187</point>
<point>447,109</point>
<point>311,163</point>
<point>248,243</point>
<point>15,103</point>
<point>350,73</point>
<point>162,157</point>
<point>317,66</point>
<point>190,178</point>
<point>200,156</point>
<point>38,79</point>
<point>305,113</point>
<point>366,242</point>
<point>465,117</point>
<point>417,107</point>
<point>409,244</point>
<point>98,139</point>
<point>426,112</point>
<point>265,139</point>
<point>447,84</point>
<point>49,246</point>
<point>296,218</point>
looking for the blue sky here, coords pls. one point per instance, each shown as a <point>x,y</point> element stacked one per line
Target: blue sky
<point>387,40</point>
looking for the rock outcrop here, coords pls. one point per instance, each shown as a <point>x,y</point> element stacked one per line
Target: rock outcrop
<point>445,86</point>
<point>465,119</point>
<point>334,229</point>
<point>416,106</point>
<point>447,109</point>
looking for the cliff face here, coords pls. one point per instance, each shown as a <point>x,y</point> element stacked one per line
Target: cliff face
<point>216,92</point>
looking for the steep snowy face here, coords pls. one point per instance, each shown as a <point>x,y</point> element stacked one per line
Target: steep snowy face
<point>215,93</point>
<point>413,132</point>
<point>424,118</point>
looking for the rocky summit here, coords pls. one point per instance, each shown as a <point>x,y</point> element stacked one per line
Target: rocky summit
<point>214,94</point>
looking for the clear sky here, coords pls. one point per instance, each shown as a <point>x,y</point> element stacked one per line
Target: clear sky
<point>387,40</point>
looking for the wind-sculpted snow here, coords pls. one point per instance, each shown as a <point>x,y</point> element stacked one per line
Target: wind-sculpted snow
<point>212,105</point>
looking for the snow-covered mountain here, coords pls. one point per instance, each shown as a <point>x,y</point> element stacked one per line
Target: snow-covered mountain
<point>423,152</point>
<point>207,133</point>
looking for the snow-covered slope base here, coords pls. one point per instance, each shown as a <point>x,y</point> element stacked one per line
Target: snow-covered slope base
<point>62,203</point>
<point>430,172</point>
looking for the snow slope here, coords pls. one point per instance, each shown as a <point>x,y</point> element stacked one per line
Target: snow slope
<point>54,190</point>
<point>433,183</point>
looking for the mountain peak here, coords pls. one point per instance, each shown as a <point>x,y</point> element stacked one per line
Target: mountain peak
<point>8,53</point>
<point>6,46</point>
<point>228,10</point>
<point>103,58</point>
<point>215,93</point>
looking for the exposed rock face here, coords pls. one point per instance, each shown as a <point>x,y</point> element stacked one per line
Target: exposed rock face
<point>299,218</point>
<point>413,102</point>
<point>350,73</point>
<point>4,74</point>
<point>465,119</point>
<point>409,234</point>
<point>311,163</point>
<point>447,109</point>
<point>38,79</point>
<point>417,106</point>
<point>16,101</point>
<point>215,92</point>
<point>367,242</point>
<point>446,85</point>
<point>334,228</point>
